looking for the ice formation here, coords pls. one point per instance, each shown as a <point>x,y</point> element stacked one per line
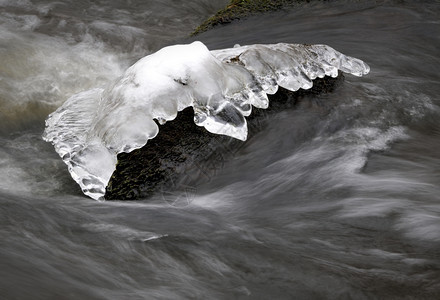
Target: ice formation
<point>92,127</point>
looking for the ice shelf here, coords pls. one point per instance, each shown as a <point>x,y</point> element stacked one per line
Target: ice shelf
<point>92,127</point>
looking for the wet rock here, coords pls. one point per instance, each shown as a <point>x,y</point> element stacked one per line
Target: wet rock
<point>237,9</point>
<point>183,153</point>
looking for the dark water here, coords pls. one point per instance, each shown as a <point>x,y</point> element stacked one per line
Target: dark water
<point>338,198</point>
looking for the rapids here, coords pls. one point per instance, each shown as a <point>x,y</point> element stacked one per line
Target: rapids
<point>337,197</point>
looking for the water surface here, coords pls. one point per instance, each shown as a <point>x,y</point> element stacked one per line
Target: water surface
<point>335,198</point>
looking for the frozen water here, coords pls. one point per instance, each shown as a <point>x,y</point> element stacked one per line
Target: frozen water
<point>92,127</point>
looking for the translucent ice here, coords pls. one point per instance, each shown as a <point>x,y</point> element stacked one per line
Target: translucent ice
<point>92,127</point>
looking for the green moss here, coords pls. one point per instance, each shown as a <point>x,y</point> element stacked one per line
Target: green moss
<point>238,9</point>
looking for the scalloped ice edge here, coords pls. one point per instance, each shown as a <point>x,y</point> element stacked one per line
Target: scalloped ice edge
<point>92,127</point>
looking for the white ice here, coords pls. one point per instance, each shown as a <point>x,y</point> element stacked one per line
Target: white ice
<point>92,127</point>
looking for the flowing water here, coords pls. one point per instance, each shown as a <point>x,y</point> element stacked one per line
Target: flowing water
<point>338,197</point>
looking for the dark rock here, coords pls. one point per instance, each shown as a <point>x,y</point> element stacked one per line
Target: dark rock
<point>238,9</point>
<point>183,152</point>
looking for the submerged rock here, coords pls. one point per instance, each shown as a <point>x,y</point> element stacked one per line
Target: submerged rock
<point>237,9</point>
<point>184,155</point>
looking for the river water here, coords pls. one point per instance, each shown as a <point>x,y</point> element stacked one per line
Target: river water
<point>336,198</point>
